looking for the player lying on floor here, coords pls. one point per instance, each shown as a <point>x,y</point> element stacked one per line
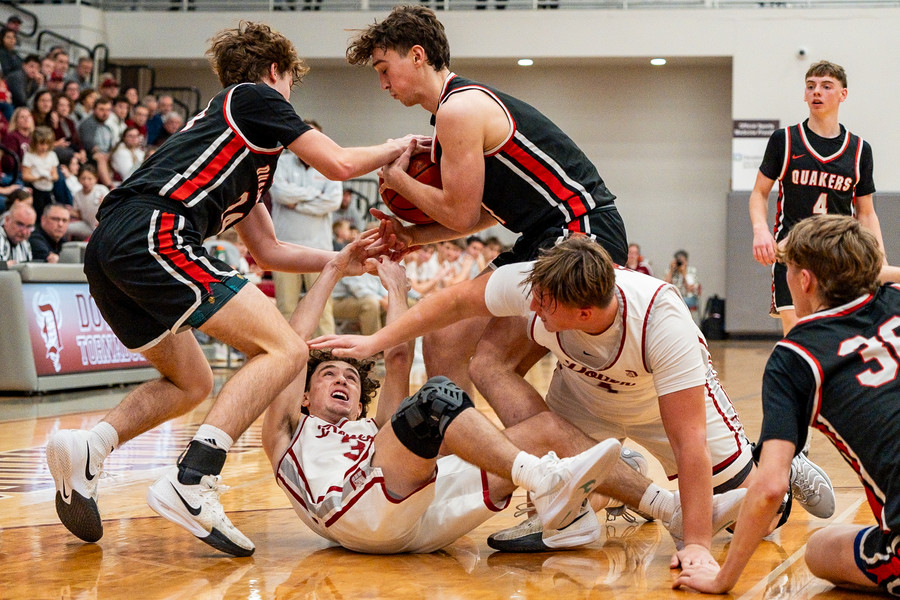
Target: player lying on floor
<point>376,484</point>
<point>836,371</point>
<point>632,363</point>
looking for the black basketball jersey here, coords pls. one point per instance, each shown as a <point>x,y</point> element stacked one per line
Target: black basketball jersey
<point>538,177</point>
<point>817,175</point>
<point>837,371</point>
<point>220,164</point>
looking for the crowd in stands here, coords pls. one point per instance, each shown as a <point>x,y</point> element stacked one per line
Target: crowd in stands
<point>67,139</point>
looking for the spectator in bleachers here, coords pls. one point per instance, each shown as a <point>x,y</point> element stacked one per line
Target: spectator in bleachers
<point>475,247</point>
<point>109,87</point>
<point>48,237</point>
<point>138,118</point>
<point>10,61</point>
<point>128,154</point>
<point>131,94</point>
<point>41,107</point>
<point>118,118</point>
<point>361,298</point>
<point>17,226</point>
<point>48,65</point>
<point>84,106</point>
<point>97,138</point>
<point>302,202</point>
<point>40,167</point>
<point>164,105</point>
<point>14,22</point>
<point>19,194</point>
<point>18,135</point>
<point>172,123</point>
<point>636,262</point>
<point>6,105</point>
<point>25,82</point>
<point>455,265</point>
<point>66,129</point>
<point>81,75</point>
<point>341,234</point>
<point>349,211</point>
<point>85,203</point>
<point>60,63</point>
<point>492,249</point>
<point>422,270</point>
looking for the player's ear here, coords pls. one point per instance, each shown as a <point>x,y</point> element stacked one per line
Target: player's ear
<point>418,54</point>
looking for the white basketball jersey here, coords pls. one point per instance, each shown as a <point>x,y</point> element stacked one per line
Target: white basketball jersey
<point>312,479</point>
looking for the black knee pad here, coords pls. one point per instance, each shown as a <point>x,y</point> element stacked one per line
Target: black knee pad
<point>422,419</point>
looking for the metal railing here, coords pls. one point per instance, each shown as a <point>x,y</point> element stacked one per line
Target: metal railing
<point>385,5</point>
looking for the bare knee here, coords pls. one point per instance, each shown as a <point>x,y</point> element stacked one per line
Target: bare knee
<point>195,387</point>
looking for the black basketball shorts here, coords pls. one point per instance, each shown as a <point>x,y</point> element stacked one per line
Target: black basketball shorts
<point>150,275</point>
<point>781,294</point>
<point>603,224</point>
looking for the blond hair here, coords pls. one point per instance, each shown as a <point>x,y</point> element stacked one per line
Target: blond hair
<point>841,253</point>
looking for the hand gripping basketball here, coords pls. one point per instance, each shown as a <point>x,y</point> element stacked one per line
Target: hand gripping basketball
<point>421,169</point>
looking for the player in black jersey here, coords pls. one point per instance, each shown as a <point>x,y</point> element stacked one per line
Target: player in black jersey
<point>153,280</point>
<point>821,168</point>
<point>837,371</point>
<point>501,161</point>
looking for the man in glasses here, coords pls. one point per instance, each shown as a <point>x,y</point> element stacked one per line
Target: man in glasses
<point>48,237</point>
<point>17,227</point>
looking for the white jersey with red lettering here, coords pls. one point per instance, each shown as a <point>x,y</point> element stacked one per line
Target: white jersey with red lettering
<point>609,384</point>
<point>328,476</point>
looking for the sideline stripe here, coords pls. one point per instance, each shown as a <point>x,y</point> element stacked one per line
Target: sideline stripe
<point>760,587</point>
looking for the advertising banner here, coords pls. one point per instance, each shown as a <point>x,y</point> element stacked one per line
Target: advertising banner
<point>68,335</point>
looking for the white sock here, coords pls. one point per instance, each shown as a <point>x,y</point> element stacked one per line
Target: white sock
<point>213,436</point>
<point>104,439</point>
<point>657,502</point>
<point>523,470</point>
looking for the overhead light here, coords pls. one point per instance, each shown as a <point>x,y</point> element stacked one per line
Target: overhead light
<point>525,62</point>
<point>657,62</point>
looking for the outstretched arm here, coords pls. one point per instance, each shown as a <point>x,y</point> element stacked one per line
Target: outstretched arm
<point>434,312</point>
<point>398,359</point>
<point>283,414</point>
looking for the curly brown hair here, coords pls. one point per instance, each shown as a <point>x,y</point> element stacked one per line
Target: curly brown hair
<point>368,384</point>
<point>405,27</point>
<point>244,54</point>
<point>841,253</point>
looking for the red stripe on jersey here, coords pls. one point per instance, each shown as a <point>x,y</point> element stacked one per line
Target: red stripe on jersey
<point>169,250</point>
<point>547,177</point>
<point>212,169</point>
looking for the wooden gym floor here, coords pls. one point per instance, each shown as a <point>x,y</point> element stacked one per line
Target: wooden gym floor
<point>143,556</point>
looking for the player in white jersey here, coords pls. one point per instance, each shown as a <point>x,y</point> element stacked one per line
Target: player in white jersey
<point>376,484</point>
<point>632,363</point>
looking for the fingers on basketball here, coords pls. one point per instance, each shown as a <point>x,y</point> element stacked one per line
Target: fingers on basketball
<point>421,169</point>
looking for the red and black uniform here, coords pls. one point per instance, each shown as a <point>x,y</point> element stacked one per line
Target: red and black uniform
<point>837,371</point>
<point>815,175</point>
<point>145,262</point>
<point>539,183</point>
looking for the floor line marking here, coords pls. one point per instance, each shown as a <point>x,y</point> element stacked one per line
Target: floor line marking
<point>763,583</point>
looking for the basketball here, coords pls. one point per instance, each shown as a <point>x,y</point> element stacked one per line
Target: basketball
<point>421,169</point>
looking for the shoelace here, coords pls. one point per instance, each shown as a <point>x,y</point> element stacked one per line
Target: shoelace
<point>524,508</point>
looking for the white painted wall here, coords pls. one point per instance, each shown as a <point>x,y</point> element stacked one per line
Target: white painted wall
<point>661,138</point>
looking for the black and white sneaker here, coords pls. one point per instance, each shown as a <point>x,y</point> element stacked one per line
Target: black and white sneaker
<point>530,535</point>
<point>76,470</point>
<point>197,509</point>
